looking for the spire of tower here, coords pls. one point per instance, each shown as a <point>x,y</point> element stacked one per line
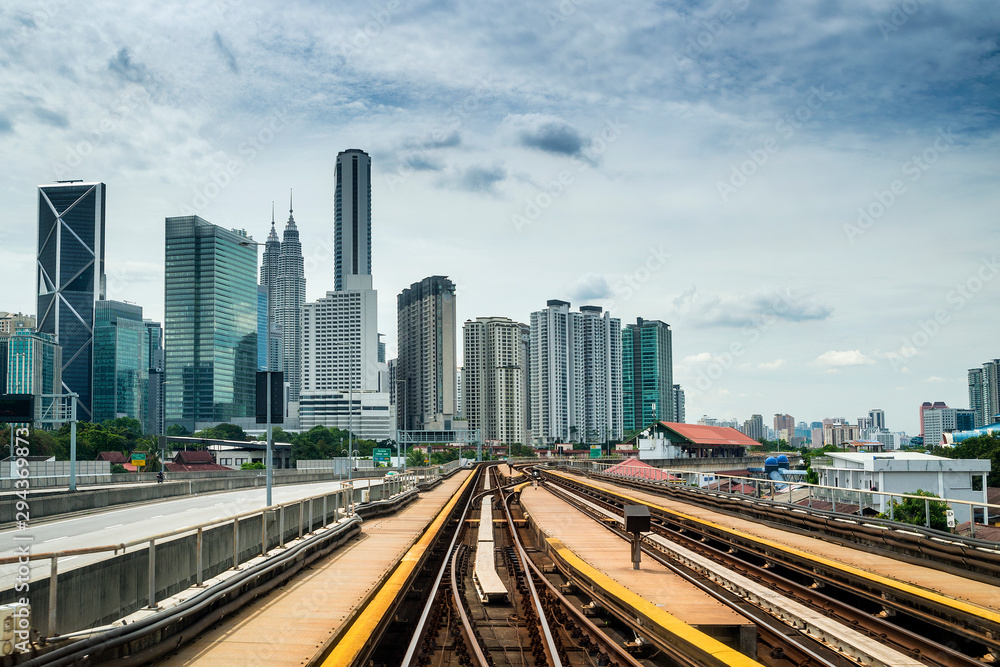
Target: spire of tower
<point>291,219</point>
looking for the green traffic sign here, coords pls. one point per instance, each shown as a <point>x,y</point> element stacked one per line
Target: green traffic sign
<point>382,454</point>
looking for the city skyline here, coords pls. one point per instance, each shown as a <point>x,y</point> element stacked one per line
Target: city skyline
<point>532,136</point>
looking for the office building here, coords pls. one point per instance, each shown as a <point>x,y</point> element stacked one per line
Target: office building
<point>352,213</point>
<point>367,414</point>
<point>121,362</point>
<point>70,278</point>
<point>10,323</point>
<point>340,342</point>
<point>679,410</point>
<point>575,375</point>
<point>876,419</point>
<point>156,397</point>
<point>493,379</point>
<point>647,374</point>
<point>784,428</point>
<point>210,337</point>
<point>270,269</point>
<point>427,355</point>
<point>938,421</point>
<point>32,365</point>
<point>927,405</point>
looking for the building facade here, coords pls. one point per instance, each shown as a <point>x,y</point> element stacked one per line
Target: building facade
<point>575,375</point>
<point>340,342</point>
<point>984,393</point>
<point>352,214</point>
<point>647,374</point>
<point>32,364</point>
<point>784,428</point>
<point>70,278</point>
<point>426,364</point>
<point>156,404</point>
<point>494,379</point>
<point>679,410</point>
<point>367,414</point>
<point>121,362</point>
<point>753,428</point>
<point>210,332</point>
<point>10,323</point>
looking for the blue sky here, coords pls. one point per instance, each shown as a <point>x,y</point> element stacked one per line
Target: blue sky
<point>806,191</point>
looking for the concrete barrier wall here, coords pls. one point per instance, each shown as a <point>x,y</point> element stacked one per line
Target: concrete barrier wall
<point>101,593</point>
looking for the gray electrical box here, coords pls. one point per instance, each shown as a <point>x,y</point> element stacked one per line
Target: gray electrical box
<point>637,519</point>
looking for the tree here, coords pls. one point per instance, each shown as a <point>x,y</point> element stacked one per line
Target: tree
<point>177,431</point>
<point>979,447</point>
<point>252,465</point>
<point>911,511</point>
<point>812,477</point>
<point>415,458</point>
<point>224,432</point>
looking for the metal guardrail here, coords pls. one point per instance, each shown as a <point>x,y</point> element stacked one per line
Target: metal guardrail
<point>817,492</point>
<point>395,484</point>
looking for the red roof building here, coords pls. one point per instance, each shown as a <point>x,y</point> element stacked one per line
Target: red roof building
<point>117,458</point>
<point>194,461</point>
<point>671,440</point>
<point>640,470</point>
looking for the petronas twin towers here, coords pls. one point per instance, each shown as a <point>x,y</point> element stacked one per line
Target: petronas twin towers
<point>283,275</point>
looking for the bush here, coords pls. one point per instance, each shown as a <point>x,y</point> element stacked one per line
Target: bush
<point>252,465</point>
<point>117,468</point>
<point>911,511</point>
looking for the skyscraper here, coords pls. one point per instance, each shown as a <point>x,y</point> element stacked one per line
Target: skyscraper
<point>754,427</point>
<point>352,212</point>
<point>121,362</point>
<point>291,299</point>
<point>211,323</point>
<point>33,365</point>
<point>876,419</point>
<point>984,393</point>
<point>679,408</point>
<point>784,427</point>
<point>427,354</point>
<point>270,269</point>
<point>70,278</point>
<point>575,375</point>
<point>976,403</point>
<point>647,374</point>
<point>155,395</point>
<point>493,379</point>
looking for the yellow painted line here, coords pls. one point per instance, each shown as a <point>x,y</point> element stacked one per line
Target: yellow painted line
<point>965,607</point>
<point>520,487</point>
<point>354,640</point>
<point>692,641</point>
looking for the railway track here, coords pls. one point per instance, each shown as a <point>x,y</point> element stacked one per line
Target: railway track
<point>905,631</point>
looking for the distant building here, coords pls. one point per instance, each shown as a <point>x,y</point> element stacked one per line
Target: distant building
<point>156,403</point>
<point>647,374</point>
<point>938,421</point>
<point>427,355</point>
<point>210,336</point>
<point>70,278</point>
<point>263,320</point>
<point>11,323</point>
<point>984,393</point>
<point>925,406</point>
<point>753,428</point>
<point>907,472</point>
<point>876,419</point>
<point>679,408</point>
<point>367,414</point>
<point>838,433</point>
<point>32,365</point>
<point>666,440</point>
<point>495,379</point>
<point>121,362</point>
<point>784,428</point>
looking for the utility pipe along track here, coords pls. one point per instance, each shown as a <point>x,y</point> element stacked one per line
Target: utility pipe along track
<point>863,603</point>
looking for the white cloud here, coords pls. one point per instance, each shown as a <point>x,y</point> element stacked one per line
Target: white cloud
<point>843,358</point>
<point>771,365</point>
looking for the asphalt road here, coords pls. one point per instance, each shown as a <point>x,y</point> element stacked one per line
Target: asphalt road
<point>113,526</point>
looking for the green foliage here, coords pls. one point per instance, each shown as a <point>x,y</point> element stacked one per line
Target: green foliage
<point>812,477</point>
<point>440,458</point>
<point>773,445</point>
<point>224,432</point>
<point>117,468</point>
<point>252,465</point>
<point>177,430</point>
<point>517,449</point>
<point>980,447</point>
<point>912,511</point>
<point>415,459</point>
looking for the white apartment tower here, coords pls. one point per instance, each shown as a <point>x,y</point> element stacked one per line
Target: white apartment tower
<point>494,379</point>
<point>575,375</point>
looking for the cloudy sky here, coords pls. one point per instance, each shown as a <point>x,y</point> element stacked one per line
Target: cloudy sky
<point>806,191</point>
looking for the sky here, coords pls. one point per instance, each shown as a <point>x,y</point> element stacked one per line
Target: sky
<point>806,191</point>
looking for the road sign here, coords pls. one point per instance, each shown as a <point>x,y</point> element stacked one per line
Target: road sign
<point>595,451</point>
<point>139,459</point>
<point>17,408</point>
<point>382,455</point>
<point>277,382</point>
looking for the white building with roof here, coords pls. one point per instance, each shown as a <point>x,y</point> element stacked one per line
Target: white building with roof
<point>906,472</point>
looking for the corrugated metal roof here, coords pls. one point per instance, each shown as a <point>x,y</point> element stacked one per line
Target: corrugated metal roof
<point>710,435</point>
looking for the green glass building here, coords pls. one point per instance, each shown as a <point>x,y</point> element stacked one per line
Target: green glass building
<point>32,365</point>
<point>210,323</point>
<point>121,362</point>
<point>647,374</point>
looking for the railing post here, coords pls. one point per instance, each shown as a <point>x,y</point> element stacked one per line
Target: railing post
<point>310,516</point>
<point>263,532</point>
<point>236,543</point>
<point>891,508</point>
<point>200,580</point>
<point>326,517</point>
<point>301,512</point>
<point>972,518</point>
<point>152,573</point>
<point>53,594</point>
<point>281,526</point>
<point>927,512</point>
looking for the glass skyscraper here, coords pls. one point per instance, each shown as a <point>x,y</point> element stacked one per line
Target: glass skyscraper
<point>70,265</point>
<point>32,365</point>
<point>210,323</point>
<point>647,374</point>
<point>352,213</point>
<point>121,362</point>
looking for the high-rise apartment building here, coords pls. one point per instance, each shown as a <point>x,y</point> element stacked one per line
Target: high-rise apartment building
<point>647,374</point>
<point>494,379</point>
<point>70,278</point>
<point>352,213</point>
<point>210,314</point>
<point>984,393</point>
<point>784,427</point>
<point>679,409</point>
<point>427,355</point>
<point>340,342</point>
<point>121,362</point>
<point>754,427</point>
<point>156,398</point>
<point>976,402</point>
<point>575,375</point>
<point>32,364</point>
